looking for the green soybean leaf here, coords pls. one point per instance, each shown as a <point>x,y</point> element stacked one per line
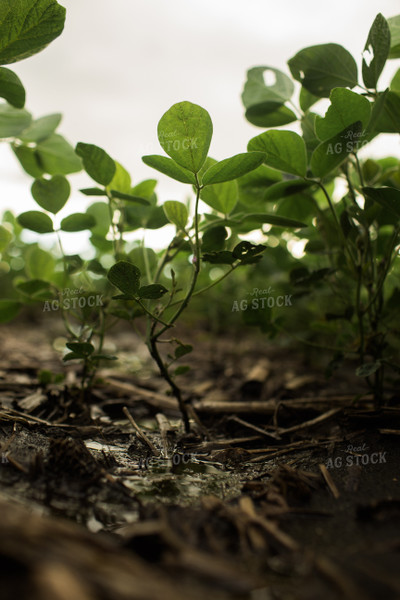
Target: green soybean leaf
<point>257,90</point>
<point>51,194</point>
<point>232,168</point>
<point>387,197</point>
<point>331,153</point>
<point>285,151</point>
<point>245,250</point>
<point>299,207</point>
<point>252,187</point>
<point>26,27</point>
<point>141,256</point>
<point>388,118</point>
<point>29,160</point>
<point>376,51</point>
<point>323,67</point>
<point>35,288</point>
<point>307,99</point>
<point>13,120</point>
<point>377,113</point>
<point>264,102</point>
<point>40,129</point>
<point>307,124</point>
<point>5,237</point>
<point>36,221</point>
<point>214,239</point>
<point>219,258</point>
<point>94,191</point>
<point>72,356</point>
<point>395,83</point>
<point>368,369</point>
<point>182,350</point>
<point>185,133</point>
<point>176,213</point>
<point>148,217</point>
<point>126,297</point>
<point>315,247</point>
<point>101,213</point>
<point>11,88</point>
<point>346,108</point>
<point>95,266</point>
<point>8,310</point>
<point>39,264</point>
<point>394,26</point>
<point>57,156</point>
<point>283,189</point>
<point>275,220</point>
<point>121,182</point>
<point>96,162</point>
<point>73,263</point>
<point>78,222</point>
<point>145,189</point>
<point>221,196</point>
<point>100,243</point>
<point>181,370</point>
<point>126,277</point>
<point>83,349</point>
<point>270,115</point>
<point>169,167</point>
<point>152,292</point>
<point>129,198</point>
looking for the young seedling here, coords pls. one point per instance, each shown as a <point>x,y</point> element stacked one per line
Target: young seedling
<point>353,242</point>
<point>185,133</point>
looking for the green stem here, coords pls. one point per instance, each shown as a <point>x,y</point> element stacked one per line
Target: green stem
<point>340,231</point>
<point>211,285</point>
<point>324,191</point>
<point>150,314</point>
<point>360,314</point>
<point>388,263</point>
<point>196,270</point>
<point>153,335</point>
<point>166,258</point>
<point>298,112</point>
<point>360,175</point>
<point>113,226</point>
<point>63,258</point>
<point>146,260</point>
<point>152,345</point>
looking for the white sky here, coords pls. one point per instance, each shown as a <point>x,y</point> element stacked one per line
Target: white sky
<point>120,65</point>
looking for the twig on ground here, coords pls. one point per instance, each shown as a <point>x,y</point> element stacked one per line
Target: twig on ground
<point>140,433</point>
<point>329,481</point>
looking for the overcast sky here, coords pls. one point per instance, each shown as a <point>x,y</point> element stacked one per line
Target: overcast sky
<point>120,64</point>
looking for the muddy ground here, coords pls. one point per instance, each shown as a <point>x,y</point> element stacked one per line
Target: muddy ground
<point>287,488</point>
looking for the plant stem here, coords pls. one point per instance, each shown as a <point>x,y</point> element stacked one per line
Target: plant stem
<point>153,335</point>
<point>208,287</point>
<point>360,175</point>
<point>360,314</point>
<point>150,314</point>
<point>113,226</point>
<point>146,260</point>
<point>196,271</point>
<point>152,345</point>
